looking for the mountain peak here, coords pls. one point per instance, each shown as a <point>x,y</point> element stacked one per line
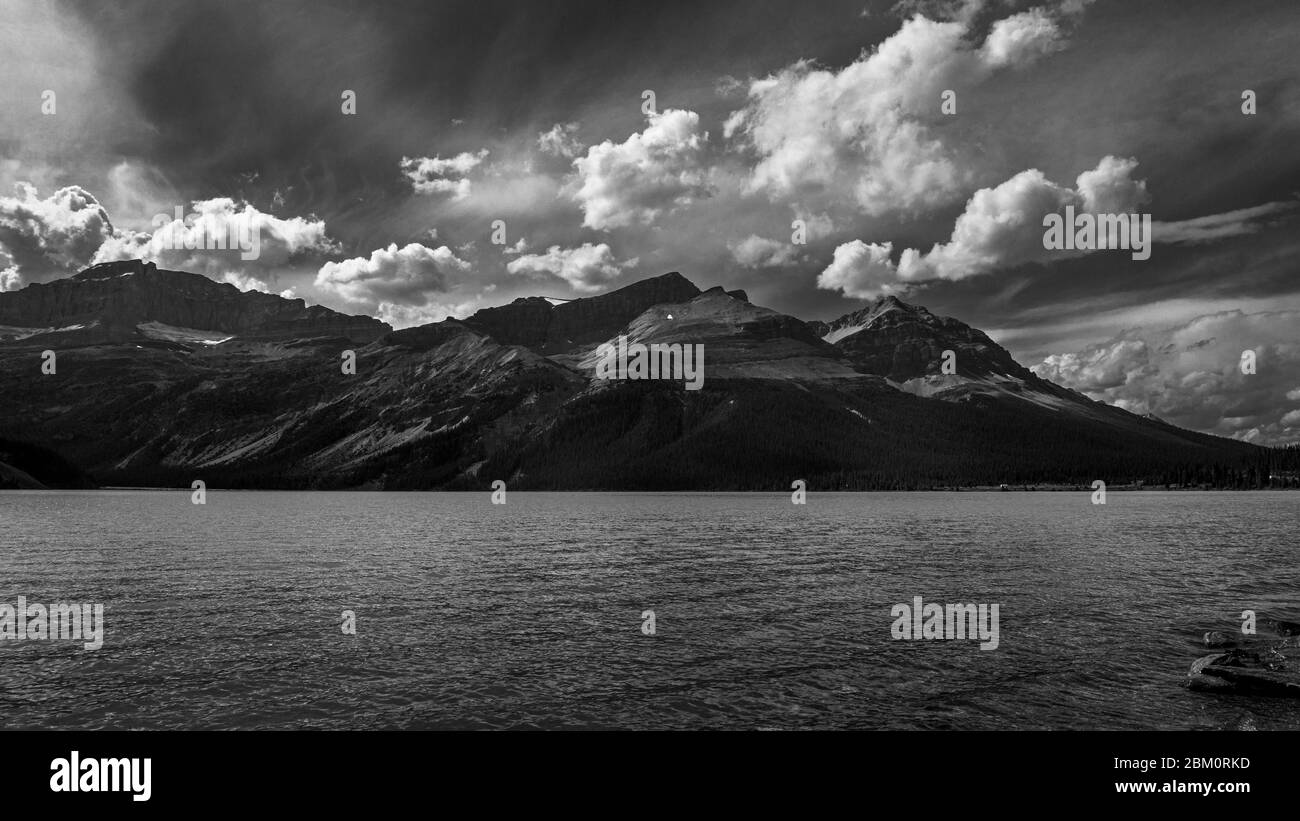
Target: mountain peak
<point>855,321</point>
<point>904,342</point>
<point>116,268</point>
<point>890,301</point>
<point>671,276</point>
<point>549,329</point>
<point>133,301</point>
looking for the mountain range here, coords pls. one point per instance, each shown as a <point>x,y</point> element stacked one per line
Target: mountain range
<point>163,377</point>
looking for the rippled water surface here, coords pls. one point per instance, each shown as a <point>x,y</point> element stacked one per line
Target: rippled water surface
<point>528,615</point>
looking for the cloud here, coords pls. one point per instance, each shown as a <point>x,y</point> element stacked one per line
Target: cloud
<point>135,192</point>
<point>867,133</point>
<point>759,252</point>
<point>966,11</point>
<point>1001,227</point>
<point>1100,368</point>
<point>652,171</point>
<point>561,141</point>
<point>70,230</point>
<point>392,278</point>
<point>509,188</point>
<point>1110,188</point>
<point>48,47</point>
<point>817,225</point>
<point>860,270</point>
<point>186,244</point>
<point>408,316</point>
<point>1190,374</point>
<point>1219,226</point>
<point>434,175</point>
<point>962,10</point>
<point>51,237</point>
<point>10,279</point>
<point>245,282</point>
<point>587,268</point>
<point>1021,39</point>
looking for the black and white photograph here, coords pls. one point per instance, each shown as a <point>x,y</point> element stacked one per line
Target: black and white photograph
<point>927,368</point>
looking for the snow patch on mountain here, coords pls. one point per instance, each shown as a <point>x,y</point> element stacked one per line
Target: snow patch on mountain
<point>172,333</point>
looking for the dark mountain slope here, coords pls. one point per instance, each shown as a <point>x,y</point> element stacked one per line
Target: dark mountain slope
<point>24,466</point>
<point>510,394</point>
<point>848,435</point>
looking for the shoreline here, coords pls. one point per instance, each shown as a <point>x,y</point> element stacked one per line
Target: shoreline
<point>977,489</point>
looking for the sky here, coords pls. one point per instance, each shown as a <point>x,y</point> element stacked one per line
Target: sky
<point>419,160</point>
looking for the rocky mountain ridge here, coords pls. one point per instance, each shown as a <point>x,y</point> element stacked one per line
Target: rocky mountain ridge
<point>108,303</point>
<point>173,377</point>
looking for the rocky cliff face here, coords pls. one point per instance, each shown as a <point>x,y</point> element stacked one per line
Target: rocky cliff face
<point>900,341</point>
<point>552,329</point>
<point>108,303</point>
<point>739,340</point>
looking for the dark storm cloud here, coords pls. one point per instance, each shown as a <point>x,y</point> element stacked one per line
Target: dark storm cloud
<point>233,87</point>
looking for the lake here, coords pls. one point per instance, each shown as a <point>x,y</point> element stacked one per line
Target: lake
<point>530,614</point>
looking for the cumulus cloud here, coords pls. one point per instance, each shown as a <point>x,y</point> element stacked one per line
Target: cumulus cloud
<point>561,141</point>
<point>435,175</point>
<point>244,282</point>
<point>407,316</point>
<point>587,268</point>
<point>860,270</point>
<point>48,238</point>
<point>760,252</point>
<point>1190,374</point>
<point>652,171</point>
<point>1021,39</point>
<point>187,243</point>
<point>1001,227</point>
<point>865,133</point>
<point>392,279</point>
<point>1101,368</point>
<point>10,280</point>
<point>51,237</point>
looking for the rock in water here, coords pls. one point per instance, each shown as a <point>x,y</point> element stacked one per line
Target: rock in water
<point>1216,638</point>
<point>1244,672</point>
<point>1285,629</point>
